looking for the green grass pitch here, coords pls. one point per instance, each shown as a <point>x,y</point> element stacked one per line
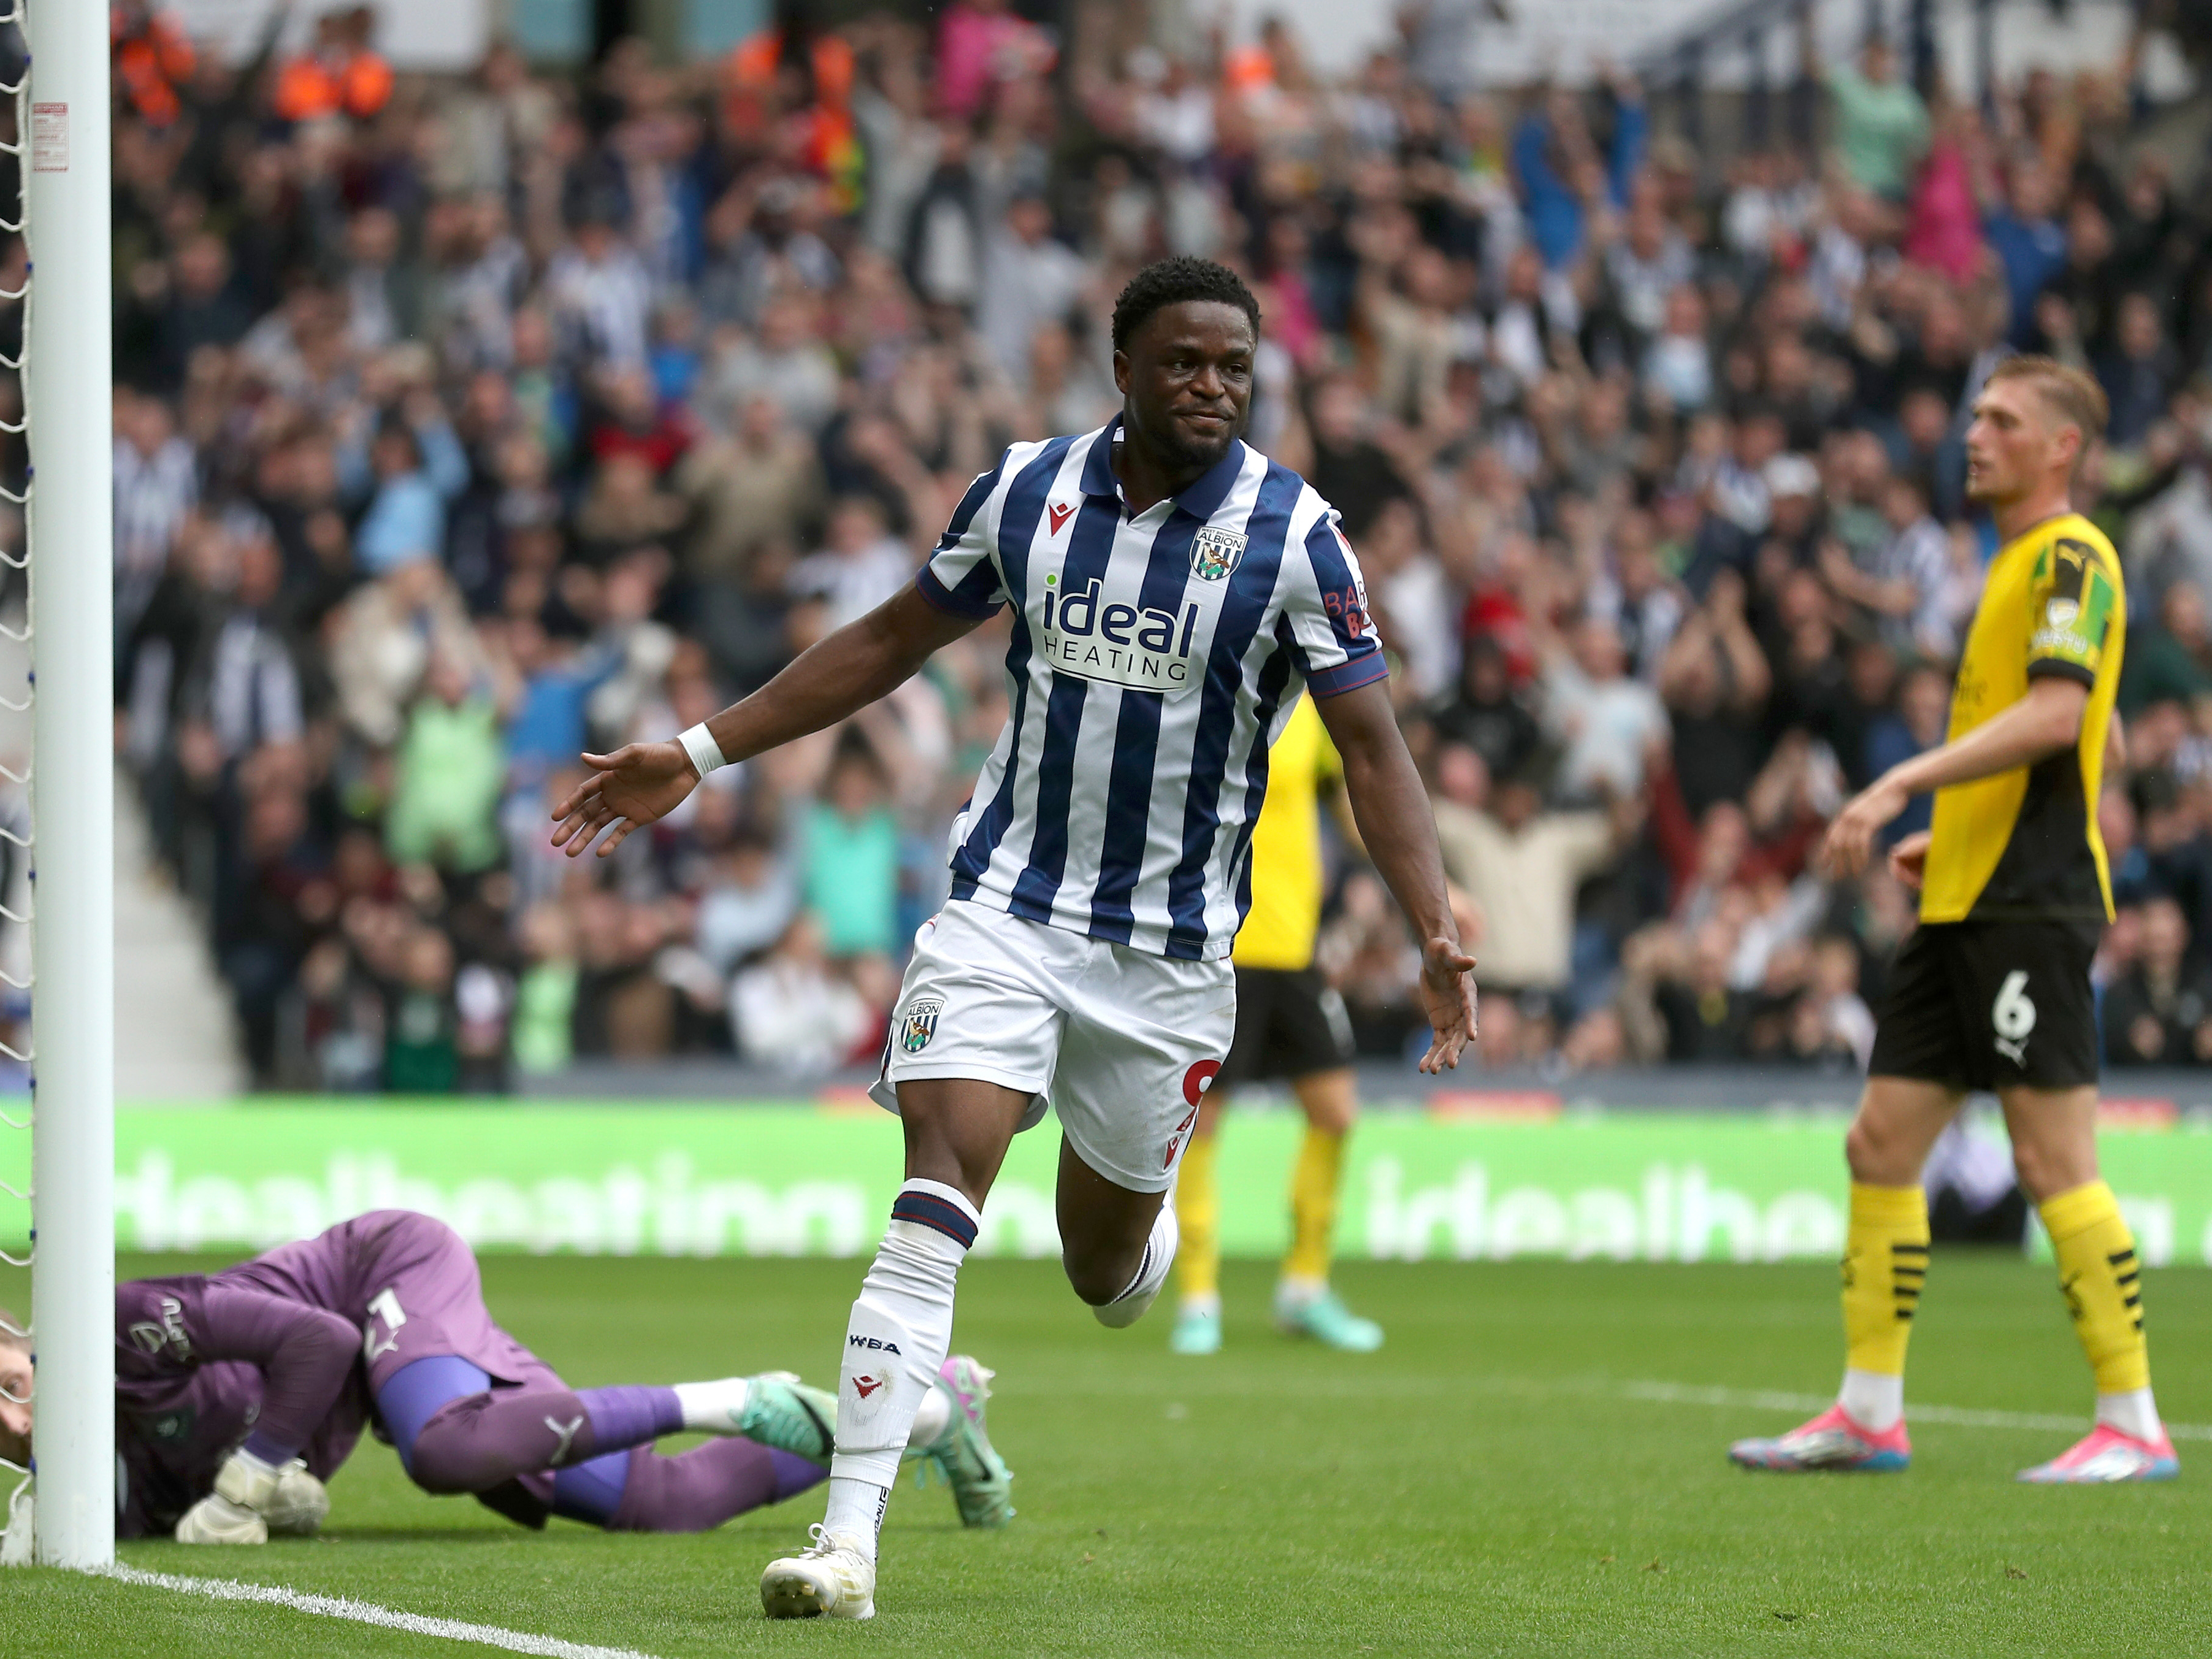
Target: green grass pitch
<point>1487,1484</point>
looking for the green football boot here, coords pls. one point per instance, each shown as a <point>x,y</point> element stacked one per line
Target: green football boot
<point>979,1477</point>
<point>1328,1322</point>
<point>782,1411</point>
<point>1197,1331</point>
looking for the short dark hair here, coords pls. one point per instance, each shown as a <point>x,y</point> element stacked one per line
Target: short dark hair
<point>1172,282</point>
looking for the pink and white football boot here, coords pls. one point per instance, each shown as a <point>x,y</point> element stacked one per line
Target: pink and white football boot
<point>2105,1455</point>
<point>1830,1441</point>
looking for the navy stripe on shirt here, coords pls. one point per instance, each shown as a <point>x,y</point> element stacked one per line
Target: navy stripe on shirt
<point>1090,550</point>
<point>1246,604</point>
<point>1136,746</point>
<point>1018,523</point>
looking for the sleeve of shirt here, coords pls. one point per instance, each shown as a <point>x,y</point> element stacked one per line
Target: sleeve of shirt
<point>962,573</point>
<point>2072,613</point>
<point>1331,639</point>
<point>304,1354</point>
<point>152,1338</point>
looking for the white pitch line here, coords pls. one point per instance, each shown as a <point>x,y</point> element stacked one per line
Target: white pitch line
<point>1962,1417</point>
<point>367,1613</point>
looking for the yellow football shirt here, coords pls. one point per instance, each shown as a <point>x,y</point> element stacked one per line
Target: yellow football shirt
<point>1285,872</point>
<point>2023,844</point>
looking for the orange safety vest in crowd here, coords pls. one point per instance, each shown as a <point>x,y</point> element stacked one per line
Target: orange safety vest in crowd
<point>311,87</point>
<point>151,61</point>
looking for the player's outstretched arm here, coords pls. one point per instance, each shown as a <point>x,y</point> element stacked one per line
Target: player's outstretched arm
<point>2047,720</point>
<point>1392,811</point>
<point>834,678</point>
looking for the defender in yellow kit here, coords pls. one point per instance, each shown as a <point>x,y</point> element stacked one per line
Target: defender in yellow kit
<point>1992,990</point>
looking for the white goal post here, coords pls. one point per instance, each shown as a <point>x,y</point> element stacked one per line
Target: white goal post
<point>68,381</point>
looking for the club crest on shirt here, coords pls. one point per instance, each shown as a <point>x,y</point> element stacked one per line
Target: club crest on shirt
<point>921,1023</point>
<point>1214,553</point>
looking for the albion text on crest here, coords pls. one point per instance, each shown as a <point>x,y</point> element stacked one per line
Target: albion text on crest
<point>1214,553</point>
<point>921,1023</point>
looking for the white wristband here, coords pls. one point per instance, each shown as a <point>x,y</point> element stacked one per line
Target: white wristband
<point>699,744</point>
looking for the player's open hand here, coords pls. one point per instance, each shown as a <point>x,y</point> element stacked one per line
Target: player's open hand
<point>1448,993</point>
<point>1908,859</point>
<point>1850,842</point>
<point>636,785</point>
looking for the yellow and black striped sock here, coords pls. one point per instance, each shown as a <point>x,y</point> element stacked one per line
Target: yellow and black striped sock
<point>1885,1265</point>
<point>1198,1213</point>
<point>2102,1280</point>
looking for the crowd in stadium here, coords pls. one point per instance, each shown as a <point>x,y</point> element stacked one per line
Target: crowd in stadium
<point>462,426</point>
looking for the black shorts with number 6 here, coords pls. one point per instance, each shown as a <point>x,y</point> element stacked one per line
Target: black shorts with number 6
<point>1990,1005</point>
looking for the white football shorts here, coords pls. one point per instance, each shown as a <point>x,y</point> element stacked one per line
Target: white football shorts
<point>1120,1043</point>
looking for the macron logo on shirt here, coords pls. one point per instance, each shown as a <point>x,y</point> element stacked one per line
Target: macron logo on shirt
<point>1059,513</point>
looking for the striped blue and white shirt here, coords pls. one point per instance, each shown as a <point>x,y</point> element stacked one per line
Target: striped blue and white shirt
<point>1154,657</point>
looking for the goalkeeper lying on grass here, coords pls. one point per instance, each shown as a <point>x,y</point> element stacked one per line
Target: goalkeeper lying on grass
<point>239,1393</point>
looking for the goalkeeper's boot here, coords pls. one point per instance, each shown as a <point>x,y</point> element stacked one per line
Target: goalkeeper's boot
<point>2105,1455</point>
<point>979,1477</point>
<point>1830,1441</point>
<point>1324,1317</point>
<point>299,1506</point>
<point>782,1411</point>
<point>244,1487</point>
<point>1197,1329</point>
<point>831,1576</point>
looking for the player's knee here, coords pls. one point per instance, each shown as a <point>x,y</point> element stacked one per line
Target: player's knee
<point>449,1457</point>
<point>2046,1171</point>
<point>1873,1150</point>
<point>1098,1277</point>
<point>1335,1118</point>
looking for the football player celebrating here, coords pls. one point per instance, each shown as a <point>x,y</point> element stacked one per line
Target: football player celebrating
<point>1992,990</point>
<point>238,1393</point>
<point>1173,594</point>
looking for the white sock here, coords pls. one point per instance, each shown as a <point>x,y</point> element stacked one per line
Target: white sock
<point>2134,1414</point>
<point>1127,1309</point>
<point>856,1511</point>
<point>897,1338</point>
<point>930,1422</point>
<point>1873,1399</point>
<point>714,1407</point>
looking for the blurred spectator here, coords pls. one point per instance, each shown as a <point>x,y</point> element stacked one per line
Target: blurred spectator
<point>1606,720</point>
<point>2169,660</point>
<point>791,1012</point>
<point>341,75</point>
<point>153,57</point>
<point>1521,866</point>
<point>1919,724</point>
<point>2159,1012</point>
<point>1881,125</point>
<point>446,776</point>
<point>849,871</point>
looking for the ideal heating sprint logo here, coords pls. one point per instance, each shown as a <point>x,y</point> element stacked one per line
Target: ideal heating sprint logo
<point>1146,650</point>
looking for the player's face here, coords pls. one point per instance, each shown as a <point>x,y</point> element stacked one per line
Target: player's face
<point>15,1404</point>
<point>1186,379</point>
<point>2013,443</point>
